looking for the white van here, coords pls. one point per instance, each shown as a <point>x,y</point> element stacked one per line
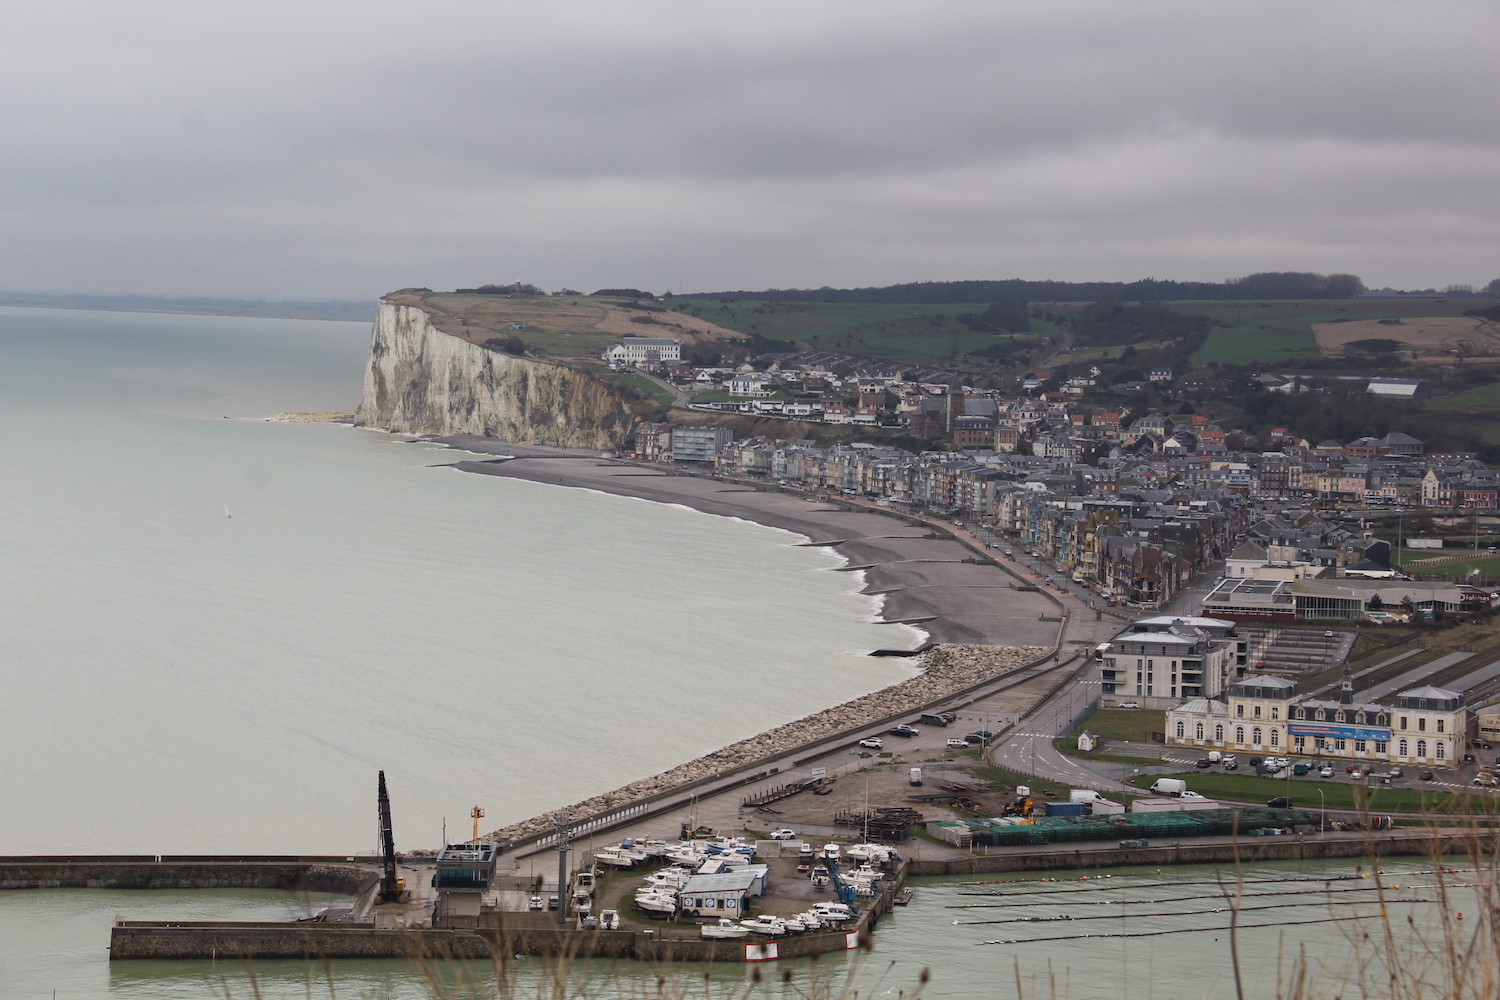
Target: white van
<point>1169,786</point>
<point>916,776</point>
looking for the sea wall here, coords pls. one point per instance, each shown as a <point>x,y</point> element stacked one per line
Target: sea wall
<point>421,380</point>
<point>68,874</point>
<point>1246,851</point>
<point>949,669</point>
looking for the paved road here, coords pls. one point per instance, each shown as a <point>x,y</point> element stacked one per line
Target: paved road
<point>1030,751</point>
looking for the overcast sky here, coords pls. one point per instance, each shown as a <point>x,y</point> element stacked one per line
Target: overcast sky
<point>338,150</point>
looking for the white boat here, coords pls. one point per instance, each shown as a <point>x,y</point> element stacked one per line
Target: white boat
<point>656,902</point>
<point>614,859</point>
<point>794,925</point>
<point>765,924</point>
<point>725,928</point>
<point>609,920</point>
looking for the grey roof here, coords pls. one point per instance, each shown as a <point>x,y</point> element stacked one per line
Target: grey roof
<point>1436,693</point>
<point>723,882</point>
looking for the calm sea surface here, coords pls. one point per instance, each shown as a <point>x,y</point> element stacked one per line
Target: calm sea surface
<point>179,681</point>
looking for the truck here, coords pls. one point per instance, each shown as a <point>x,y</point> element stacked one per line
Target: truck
<point>916,776</point>
<point>1169,786</point>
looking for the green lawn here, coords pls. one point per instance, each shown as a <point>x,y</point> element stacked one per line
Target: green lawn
<point>917,334</point>
<point>1134,725</point>
<point>1483,397</point>
<point>650,388</point>
<point>1336,795</point>
<point>1069,746</point>
<point>1488,566</point>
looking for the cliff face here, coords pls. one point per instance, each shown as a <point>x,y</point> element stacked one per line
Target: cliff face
<point>424,381</point>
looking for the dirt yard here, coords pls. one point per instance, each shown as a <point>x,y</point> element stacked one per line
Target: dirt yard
<point>1428,336</point>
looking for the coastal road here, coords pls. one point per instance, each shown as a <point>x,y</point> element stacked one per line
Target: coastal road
<point>717,803</point>
<point>1029,749</point>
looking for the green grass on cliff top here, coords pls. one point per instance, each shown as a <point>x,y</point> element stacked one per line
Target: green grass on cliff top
<point>915,334</point>
<point>1336,794</point>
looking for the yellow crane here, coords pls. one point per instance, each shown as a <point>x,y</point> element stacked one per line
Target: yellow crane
<point>476,814</point>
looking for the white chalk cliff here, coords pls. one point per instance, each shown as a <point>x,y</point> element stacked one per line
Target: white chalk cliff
<point>424,381</point>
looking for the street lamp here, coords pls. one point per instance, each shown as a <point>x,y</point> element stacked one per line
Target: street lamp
<point>1322,817</point>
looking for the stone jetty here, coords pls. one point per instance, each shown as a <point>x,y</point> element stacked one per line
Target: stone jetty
<point>945,669</point>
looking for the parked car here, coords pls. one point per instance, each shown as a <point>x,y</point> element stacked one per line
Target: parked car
<point>1280,802</point>
<point>1325,771</point>
<point>1395,772</point>
<point>1232,766</point>
<point>1130,704</point>
<point>1348,768</point>
<point>1425,776</point>
<point>985,733</point>
<point>783,834</point>
<point>958,744</point>
<point>873,743</point>
<point>1301,767</point>
<point>949,716</point>
<point>1328,635</point>
<point>1189,795</point>
<point>974,738</point>
<point>1256,761</point>
<point>905,730</point>
<point>1205,762</point>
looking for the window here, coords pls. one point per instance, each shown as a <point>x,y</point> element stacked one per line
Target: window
<point>1338,716</point>
<point>1403,723</point>
<point>1218,734</point>
<point>1381,719</point>
<point>1359,746</point>
<point>1257,711</point>
<point>1381,747</point>
<point>1440,725</point>
<point>1421,748</point>
<point>1180,729</point>
<point>1275,714</point>
<point>1440,753</point>
<point>1275,737</point>
<point>1421,725</point>
<point>1239,711</point>
<point>1199,731</point>
<point>1401,749</point>
<point>1300,742</point>
<point>1239,734</point>
<point>1320,715</point>
<point>1301,713</point>
<point>1255,734</point>
<point>1338,744</point>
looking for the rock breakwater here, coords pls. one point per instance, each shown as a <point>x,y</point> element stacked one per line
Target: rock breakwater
<point>947,668</point>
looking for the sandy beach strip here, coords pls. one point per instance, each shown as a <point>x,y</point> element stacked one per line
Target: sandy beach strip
<point>934,582</point>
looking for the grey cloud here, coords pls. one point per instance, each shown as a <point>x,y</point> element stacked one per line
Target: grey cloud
<point>332,149</point>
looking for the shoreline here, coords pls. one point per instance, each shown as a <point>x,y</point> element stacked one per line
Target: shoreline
<point>934,582</point>
<point>978,626</point>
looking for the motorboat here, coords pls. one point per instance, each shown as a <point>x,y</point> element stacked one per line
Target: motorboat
<point>725,928</point>
<point>609,920</point>
<point>656,902</point>
<point>765,924</point>
<point>795,924</point>
<point>614,859</point>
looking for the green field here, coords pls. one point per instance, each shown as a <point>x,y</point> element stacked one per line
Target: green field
<point>1134,725</point>
<point>1277,332</point>
<point>916,334</point>
<point>1488,566</point>
<point>1484,397</point>
<point>650,388</point>
<point>1336,795</point>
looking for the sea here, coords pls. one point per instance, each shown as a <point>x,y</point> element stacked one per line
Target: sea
<point>216,628</point>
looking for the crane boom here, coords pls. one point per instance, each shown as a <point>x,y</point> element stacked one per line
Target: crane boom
<point>845,891</point>
<point>389,889</point>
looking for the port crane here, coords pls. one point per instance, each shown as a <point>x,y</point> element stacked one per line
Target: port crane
<point>391,889</point>
<point>845,891</point>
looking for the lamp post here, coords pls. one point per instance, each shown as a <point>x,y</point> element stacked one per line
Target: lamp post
<point>1322,817</point>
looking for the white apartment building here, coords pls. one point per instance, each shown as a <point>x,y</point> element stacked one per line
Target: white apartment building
<point>643,350</point>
